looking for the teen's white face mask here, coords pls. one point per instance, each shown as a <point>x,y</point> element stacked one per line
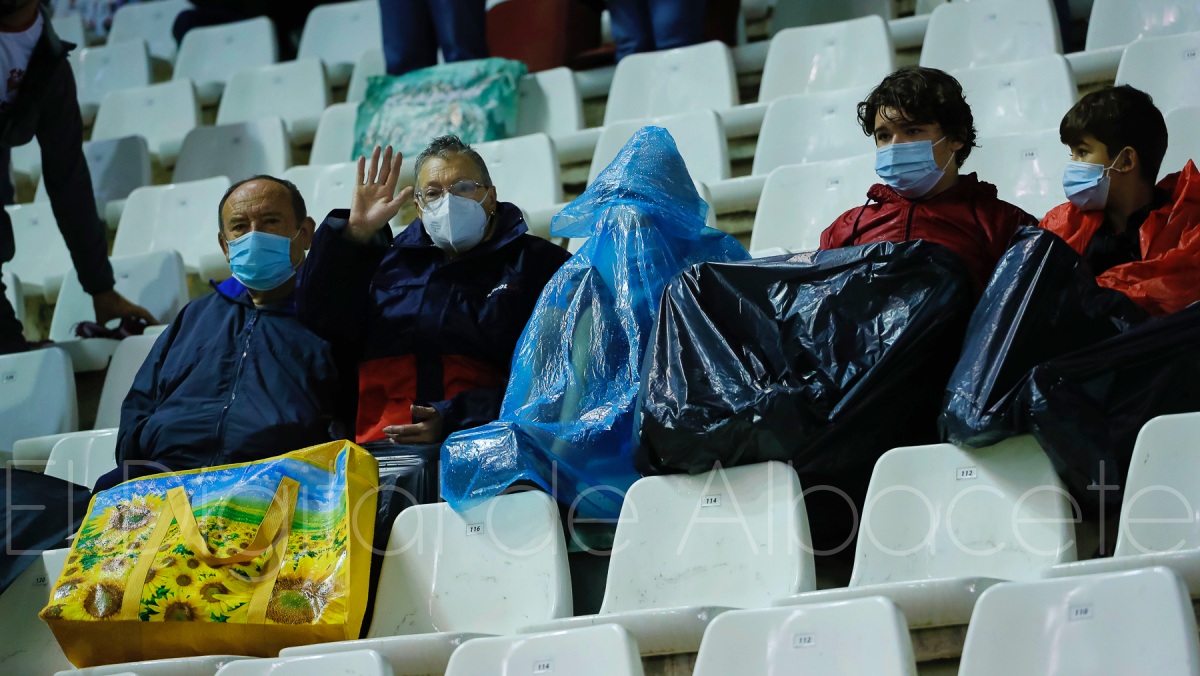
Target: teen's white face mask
<point>455,224</point>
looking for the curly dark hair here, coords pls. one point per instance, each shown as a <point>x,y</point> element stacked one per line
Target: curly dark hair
<point>1119,117</point>
<point>922,95</point>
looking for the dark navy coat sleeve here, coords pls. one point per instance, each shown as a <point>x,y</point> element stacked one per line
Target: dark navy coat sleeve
<point>332,287</point>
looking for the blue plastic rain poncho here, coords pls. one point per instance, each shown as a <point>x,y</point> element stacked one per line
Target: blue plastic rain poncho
<point>567,419</point>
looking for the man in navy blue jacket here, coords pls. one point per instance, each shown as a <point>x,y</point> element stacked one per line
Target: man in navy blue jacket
<point>432,317</point>
<point>236,377</point>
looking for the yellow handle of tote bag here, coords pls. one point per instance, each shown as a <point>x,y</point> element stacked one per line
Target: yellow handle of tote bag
<point>278,518</point>
<point>272,535</point>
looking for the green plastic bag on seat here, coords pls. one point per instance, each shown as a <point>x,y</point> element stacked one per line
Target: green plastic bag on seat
<point>474,100</point>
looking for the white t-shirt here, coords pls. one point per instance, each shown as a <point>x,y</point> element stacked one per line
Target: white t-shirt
<point>16,48</point>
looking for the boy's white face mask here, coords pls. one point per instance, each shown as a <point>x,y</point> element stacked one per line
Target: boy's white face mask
<point>455,224</point>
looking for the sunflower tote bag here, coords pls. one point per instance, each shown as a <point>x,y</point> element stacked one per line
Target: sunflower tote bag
<point>236,560</point>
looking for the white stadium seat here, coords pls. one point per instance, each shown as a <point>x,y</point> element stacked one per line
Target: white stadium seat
<point>790,13</point>
<point>127,358</point>
<point>550,103</point>
<point>1114,23</point>
<point>207,665</point>
<point>856,53</point>
<point>14,294</point>
<point>304,177</point>
<point>800,201</point>
<point>149,21</point>
<point>1017,97</point>
<point>811,128</point>
<point>862,637</point>
<point>942,523</point>
<point>1161,67</point>
<point>357,663</point>
<point>118,167</point>
<point>210,55</point>
<point>654,84</point>
<point>294,91</point>
<point>325,187</point>
<point>338,34</point>
<point>448,577</point>
<point>698,134</point>
<point>524,170</point>
<point>163,114</point>
<point>1158,524</point>
<point>1139,622</point>
<point>174,217</point>
<point>988,32</point>
<point>606,650</point>
<point>82,459</point>
<point>30,647</point>
<point>122,65</point>
<point>369,64</point>
<point>1027,169</point>
<point>236,151</point>
<point>69,27</point>
<point>690,547</point>
<point>37,395</point>
<point>27,161</point>
<point>155,281</point>
<point>1183,142</point>
<point>334,140</point>
<point>42,258</point>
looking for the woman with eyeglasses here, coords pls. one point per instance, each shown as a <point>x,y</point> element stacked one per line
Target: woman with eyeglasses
<point>431,317</point>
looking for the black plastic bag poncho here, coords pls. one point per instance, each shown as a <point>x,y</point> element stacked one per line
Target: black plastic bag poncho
<point>823,359</point>
<point>1081,367</point>
<point>1042,302</point>
<point>567,420</point>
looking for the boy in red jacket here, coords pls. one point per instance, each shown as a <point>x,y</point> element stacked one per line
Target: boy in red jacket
<point>1138,238</point>
<point>924,131</point>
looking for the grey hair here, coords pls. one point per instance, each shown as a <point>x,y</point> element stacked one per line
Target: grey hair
<point>444,147</point>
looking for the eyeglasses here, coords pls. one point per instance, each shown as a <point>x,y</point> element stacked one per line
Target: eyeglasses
<point>463,188</point>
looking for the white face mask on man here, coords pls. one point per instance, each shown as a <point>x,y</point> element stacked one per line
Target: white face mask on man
<point>455,224</point>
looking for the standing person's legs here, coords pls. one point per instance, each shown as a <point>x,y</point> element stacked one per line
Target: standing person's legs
<point>408,35</point>
<point>461,28</point>
<point>632,28</point>
<point>678,23</point>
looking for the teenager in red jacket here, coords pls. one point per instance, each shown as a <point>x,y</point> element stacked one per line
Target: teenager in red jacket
<point>924,131</point>
<point>1138,238</point>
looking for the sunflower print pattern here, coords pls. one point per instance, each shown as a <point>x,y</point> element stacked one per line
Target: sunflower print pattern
<point>309,584</point>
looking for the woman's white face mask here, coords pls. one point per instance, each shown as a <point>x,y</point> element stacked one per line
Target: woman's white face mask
<point>455,224</point>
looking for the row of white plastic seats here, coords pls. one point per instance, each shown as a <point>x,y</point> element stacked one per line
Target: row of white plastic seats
<point>335,34</point>
<point>90,453</point>
<point>1015,30</point>
<point>941,525</point>
<point>155,280</point>
<point>1136,622</point>
<point>297,92</point>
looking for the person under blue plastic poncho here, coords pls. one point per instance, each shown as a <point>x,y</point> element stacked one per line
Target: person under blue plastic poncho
<point>567,420</point>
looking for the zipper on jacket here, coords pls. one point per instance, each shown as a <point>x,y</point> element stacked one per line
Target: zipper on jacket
<point>912,209</point>
<point>237,379</point>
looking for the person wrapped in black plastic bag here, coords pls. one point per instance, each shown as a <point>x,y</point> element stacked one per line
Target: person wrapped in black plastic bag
<point>825,360</point>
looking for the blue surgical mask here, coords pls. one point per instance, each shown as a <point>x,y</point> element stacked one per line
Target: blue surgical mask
<point>1086,184</point>
<point>261,261</point>
<point>909,168</point>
